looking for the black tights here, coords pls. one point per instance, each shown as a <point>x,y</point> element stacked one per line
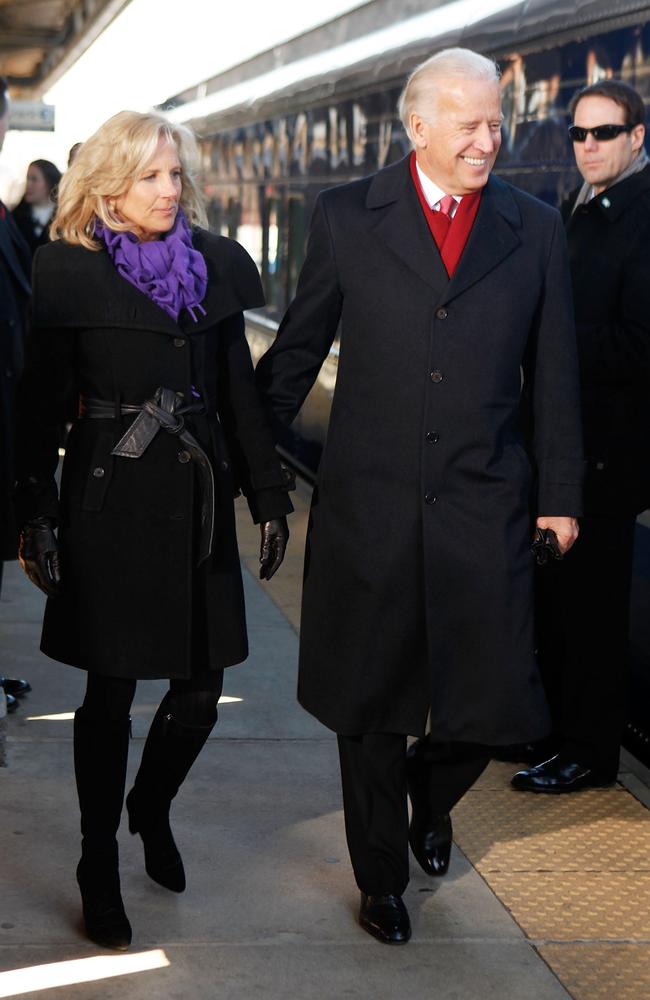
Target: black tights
<point>192,702</point>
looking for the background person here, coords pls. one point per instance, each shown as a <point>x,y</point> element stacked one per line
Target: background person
<point>14,296</point>
<point>142,309</point>
<point>418,598</point>
<point>583,603</point>
<point>33,214</point>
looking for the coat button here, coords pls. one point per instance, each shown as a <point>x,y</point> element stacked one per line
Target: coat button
<point>224,466</point>
<point>436,376</point>
<point>98,472</point>
<point>179,342</point>
<point>433,436</point>
<point>184,457</point>
<point>430,497</point>
<point>441,313</point>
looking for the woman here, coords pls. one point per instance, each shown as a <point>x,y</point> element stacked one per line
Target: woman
<point>141,311</point>
<point>33,214</point>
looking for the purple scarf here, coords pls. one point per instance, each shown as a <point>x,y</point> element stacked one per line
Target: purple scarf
<point>169,270</point>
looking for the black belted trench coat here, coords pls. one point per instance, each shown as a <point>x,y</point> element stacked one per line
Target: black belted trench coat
<point>418,571</point>
<point>134,603</point>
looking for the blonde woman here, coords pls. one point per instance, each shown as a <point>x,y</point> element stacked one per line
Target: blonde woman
<point>140,310</point>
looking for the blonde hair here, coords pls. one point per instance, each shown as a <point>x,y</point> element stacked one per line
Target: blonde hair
<point>422,87</point>
<point>106,166</point>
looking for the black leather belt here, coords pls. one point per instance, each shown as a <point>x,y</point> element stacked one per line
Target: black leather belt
<point>162,411</point>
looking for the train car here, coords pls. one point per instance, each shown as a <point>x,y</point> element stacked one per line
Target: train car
<point>320,110</point>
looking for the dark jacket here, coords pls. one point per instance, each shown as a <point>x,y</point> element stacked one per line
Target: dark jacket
<point>134,603</point>
<point>418,572</point>
<point>14,296</point>
<point>609,252</point>
<point>24,220</point>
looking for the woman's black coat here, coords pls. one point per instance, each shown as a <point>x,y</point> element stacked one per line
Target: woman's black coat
<point>418,572</point>
<point>134,604</point>
<point>609,252</point>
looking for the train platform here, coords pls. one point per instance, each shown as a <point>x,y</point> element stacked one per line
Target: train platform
<point>546,898</point>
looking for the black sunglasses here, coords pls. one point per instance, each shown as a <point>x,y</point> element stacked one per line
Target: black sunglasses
<point>601,133</point>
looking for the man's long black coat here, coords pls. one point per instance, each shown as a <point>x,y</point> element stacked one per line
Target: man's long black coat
<point>609,254</point>
<point>418,572</point>
<point>133,603</point>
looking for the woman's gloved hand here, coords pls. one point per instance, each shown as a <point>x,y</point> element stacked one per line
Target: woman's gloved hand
<point>38,553</point>
<point>275,535</point>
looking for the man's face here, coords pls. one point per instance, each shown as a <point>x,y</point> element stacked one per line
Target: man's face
<point>457,144</point>
<point>600,163</point>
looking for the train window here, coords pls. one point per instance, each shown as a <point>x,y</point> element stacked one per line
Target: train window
<point>261,180</point>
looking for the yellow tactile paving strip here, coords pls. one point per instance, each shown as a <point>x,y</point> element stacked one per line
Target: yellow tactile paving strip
<point>574,871</point>
<point>615,971</point>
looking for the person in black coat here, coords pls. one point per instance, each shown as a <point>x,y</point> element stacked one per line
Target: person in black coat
<point>583,603</point>
<point>140,310</point>
<point>417,615</point>
<point>33,214</point>
<point>14,296</point>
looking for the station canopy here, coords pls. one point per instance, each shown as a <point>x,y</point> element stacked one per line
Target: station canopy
<point>41,39</point>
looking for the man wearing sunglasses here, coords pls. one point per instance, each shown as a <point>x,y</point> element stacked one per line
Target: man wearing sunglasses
<point>583,601</point>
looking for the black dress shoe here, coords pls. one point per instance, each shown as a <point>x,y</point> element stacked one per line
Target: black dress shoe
<point>386,918</point>
<point>559,774</point>
<point>431,846</point>
<point>429,835</point>
<point>12,703</point>
<point>15,686</point>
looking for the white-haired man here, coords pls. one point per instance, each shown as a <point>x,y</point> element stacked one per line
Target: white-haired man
<point>417,605</point>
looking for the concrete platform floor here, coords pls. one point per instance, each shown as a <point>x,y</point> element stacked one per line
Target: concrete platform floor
<point>270,908</point>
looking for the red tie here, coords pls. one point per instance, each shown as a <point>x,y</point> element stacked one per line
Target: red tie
<point>446,204</point>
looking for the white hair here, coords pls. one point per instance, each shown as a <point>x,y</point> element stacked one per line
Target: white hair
<point>423,85</point>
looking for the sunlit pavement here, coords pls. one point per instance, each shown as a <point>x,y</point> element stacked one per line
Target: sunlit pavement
<point>270,907</point>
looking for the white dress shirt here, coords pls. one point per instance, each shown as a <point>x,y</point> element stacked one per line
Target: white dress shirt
<point>434,194</point>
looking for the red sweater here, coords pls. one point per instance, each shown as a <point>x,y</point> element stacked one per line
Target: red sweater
<point>450,239</point>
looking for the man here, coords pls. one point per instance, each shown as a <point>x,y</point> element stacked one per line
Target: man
<point>418,574</point>
<point>14,293</point>
<point>583,603</point>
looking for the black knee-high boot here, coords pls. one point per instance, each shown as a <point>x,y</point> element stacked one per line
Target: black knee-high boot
<point>100,755</point>
<point>169,752</point>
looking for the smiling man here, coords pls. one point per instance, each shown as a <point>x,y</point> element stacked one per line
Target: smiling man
<point>583,604</point>
<point>446,284</point>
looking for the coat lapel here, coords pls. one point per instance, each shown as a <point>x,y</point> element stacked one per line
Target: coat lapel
<point>402,227</point>
<point>401,224</point>
<point>493,238</point>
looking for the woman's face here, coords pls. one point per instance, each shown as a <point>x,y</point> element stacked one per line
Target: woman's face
<point>151,203</point>
<point>36,189</point>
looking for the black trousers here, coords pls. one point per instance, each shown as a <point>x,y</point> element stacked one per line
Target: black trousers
<point>373,776</point>
<point>583,606</point>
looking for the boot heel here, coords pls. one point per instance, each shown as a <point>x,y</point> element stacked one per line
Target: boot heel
<point>162,860</point>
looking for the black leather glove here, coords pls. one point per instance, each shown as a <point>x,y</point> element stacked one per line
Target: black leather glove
<point>275,535</point>
<point>38,553</point>
<point>545,546</point>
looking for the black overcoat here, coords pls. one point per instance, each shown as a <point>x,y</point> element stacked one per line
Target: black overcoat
<point>14,294</point>
<point>134,604</point>
<point>609,253</point>
<point>418,574</point>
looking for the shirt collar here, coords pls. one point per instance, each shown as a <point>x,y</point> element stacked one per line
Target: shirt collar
<point>431,191</point>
